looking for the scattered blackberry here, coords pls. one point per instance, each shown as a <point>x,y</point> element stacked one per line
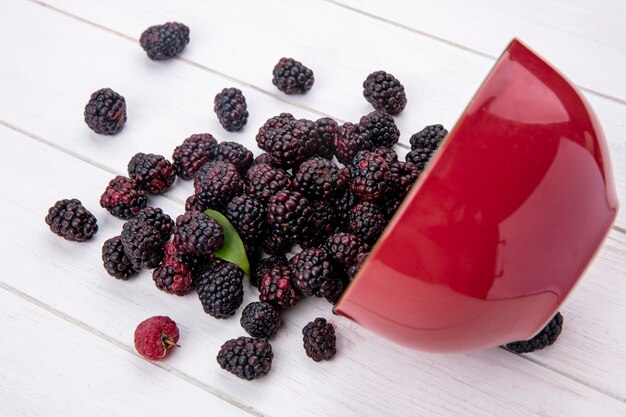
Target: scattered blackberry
<point>142,244</point>
<point>327,130</point>
<point>277,287</point>
<point>115,261</point>
<point>193,153</point>
<point>291,77</point>
<point>263,158</point>
<point>350,139</point>
<point>236,154</point>
<point>260,320</point>
<point>220,289</point>
<point>343,205</point>
<point>389,154</point>
<point>105,112</point>
<point>156,218</point>
<point>247,215</point>
<point>354,269</point>
<point>153,173</point>
<point>383,91</point>
<point>264,265</point>
<point>289,214</point>
<point>231,109</point>
<point>319,340</point>
<point>371,178</point>
<point>318,179</point>
<point>198,233</point>
<point>175,275</point>
<point>367,222</point>
<point>313,273</point>
<point>70,220</point>
<point>192,204</point>
<point>323,223</point>
<point>263,181</point>
<point>345,247</point>
<point>266,136</point>
<point>545,338</point>
<point>245,357</point>
<point>123,198</point>
<point>424,144</point>
<point>381,128</point>
<point>276,244</point>
<point>164,41</point>
<point>216,183</point>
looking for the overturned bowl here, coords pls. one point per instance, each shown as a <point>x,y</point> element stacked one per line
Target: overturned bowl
<point>502,223</point>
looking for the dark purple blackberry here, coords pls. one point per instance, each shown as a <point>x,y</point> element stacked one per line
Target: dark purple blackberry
<point>263,181</point>
<point>354,269</point>
<point>123,198</point>
<point>318,179</point>
<point>276,244</point>
<point>546,337</point>
<point>319,340</point>
<point>291,77</point>
<point>220,289</point>
<point>340,288</point>
<point>192,203</point>
<point>198,233</point>
<point>263,158</point>
<point>314,273</point>
<point>367,222</point>
<point>381,128</point>
<point>424,144</point>
<point>174,277</point>
<point>216,183</point>
<point>246,358</point>
<point>266,137</point>
<point>115,261</point>
<point>327,130</point>
<point>389,154</point>
<point>231,109</point>
<point>404,175</point>
<point>343,205</point>
<point>277,287</point>
<point>164,41</point>
<point>105,112</point>
<point>344,248</point>
<point>260,320</point>
<point>289,214</point>
<point>384,92</point>
<point>350,139</point>
<point>236,154</point>
<point>292,143</point>
<point>390,205</point>
<point>323,223</point>
<point>247,215</point>
<point>142,244</point>
<point>193,153</point>
<point>371,178</point>
<point>264,265</point>
<point>70,220</point>
<point>153,173</point>
<point>156,218</point>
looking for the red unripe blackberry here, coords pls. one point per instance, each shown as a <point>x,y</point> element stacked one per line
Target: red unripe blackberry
<point>115,260</point>
<point>197,233</point>
<point>164,41</point>
<point>381,128</point>
<point>216,183</point>
<point>263,181</point>
<point>235,153</point>
<point>70,220</point>
<point>314,273</point>
<point>383,91</point>
<point>175,275</point>
<point>277,287</point>
<point>291,77</point>
<point>319,340</point>
<point>153,173</point>
<point>350,139</point>
<point>231,109</point>
<point>193,153</point>
<point>245,357</point>
<point>105,112</point>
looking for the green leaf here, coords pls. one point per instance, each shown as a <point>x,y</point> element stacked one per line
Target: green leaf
<point>233,249</point>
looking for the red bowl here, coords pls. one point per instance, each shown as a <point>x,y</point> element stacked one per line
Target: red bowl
<point>501,224</point>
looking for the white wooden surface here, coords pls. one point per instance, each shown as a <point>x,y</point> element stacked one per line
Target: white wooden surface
<point>67,326</point>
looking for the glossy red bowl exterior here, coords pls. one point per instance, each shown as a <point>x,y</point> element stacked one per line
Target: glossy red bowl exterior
<point>500,226</point>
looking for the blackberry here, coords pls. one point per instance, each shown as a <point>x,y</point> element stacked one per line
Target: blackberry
<point>344,248</point>
<point>545,338</point>
<point>264,265</point>
<point>343,205</point>
<point>291,77</point>
<point>164,41</point>
<point>217,183</point>
<point>247,215</point>
<point>263,158</point>
<point>142,244</point>
<point>105,112</point>
<point>289,214</point>
<point>245,357</point>
<point>277,287</point>
<point>115,261</point>
<point>313,273</point>
<point>323,223</point>
<point>231,109</point>
<point>354,269</point>
<point>367,222</point>
<point>123,198</point>
<point>220,289</point>
<point>404,175</point>
<point>70,220</point>
<point>292,143</point>
<point>351,138</point>
<point>371,178</point>
<point>263,181</point>
<point>319,340</point>
<point>156,218</point>
<point>318,179</point>
<point>198,233</point>
<point>260,320</point>
<point>153,173</point>
<point>340,288</point>
<point>424,144</point>
<point>389,154</point>
<point>327,130</point>
<point>266,136</point>
<point>236,154</point>
<point>192,204</point>
<point>390,205</point>
<point>193,153</point>
<point>174,278</point>
<point>381,128</point>
<point>276,244</point>
<point>384,92</point>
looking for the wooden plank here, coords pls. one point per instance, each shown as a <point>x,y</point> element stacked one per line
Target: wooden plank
<point>369,376</point>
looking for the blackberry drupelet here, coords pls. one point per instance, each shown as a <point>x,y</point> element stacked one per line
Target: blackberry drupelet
<point>318,179</point>
<point>220,289</point>
<point>236,154</point>
<point>289,214</point>
<point>327,129</point>
<point>193,153</point>
<point>231,109</point>
<point>115,261</point>
<point>314,273</point>
<point>247,215</point>
<point>142,244</point>
<point>343,205</point>
<point>384,92</point>
<point>319,340</point>
<point>424,144</point>
<point>277,287</point>
<point>245,357</point>
<point>276,244</point>
<point>197,233</point>
<point>156,218</point>
<point>350,139</point>
<point>260,320</point>
<point>153,173</point>
<point>70,220</point>
<point>164,41</point>
<point>105,112</point>
<point>264,265</point>
<point>123,198</point>
<point>381,128</point>
<point>175,275</point>
<point>291,77</point>
<point>344,248</point>
<point>366,221</point>
<point>216,183</point>
<point>545,338</point>
<point>263,181</point>
<point>371,178</point>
